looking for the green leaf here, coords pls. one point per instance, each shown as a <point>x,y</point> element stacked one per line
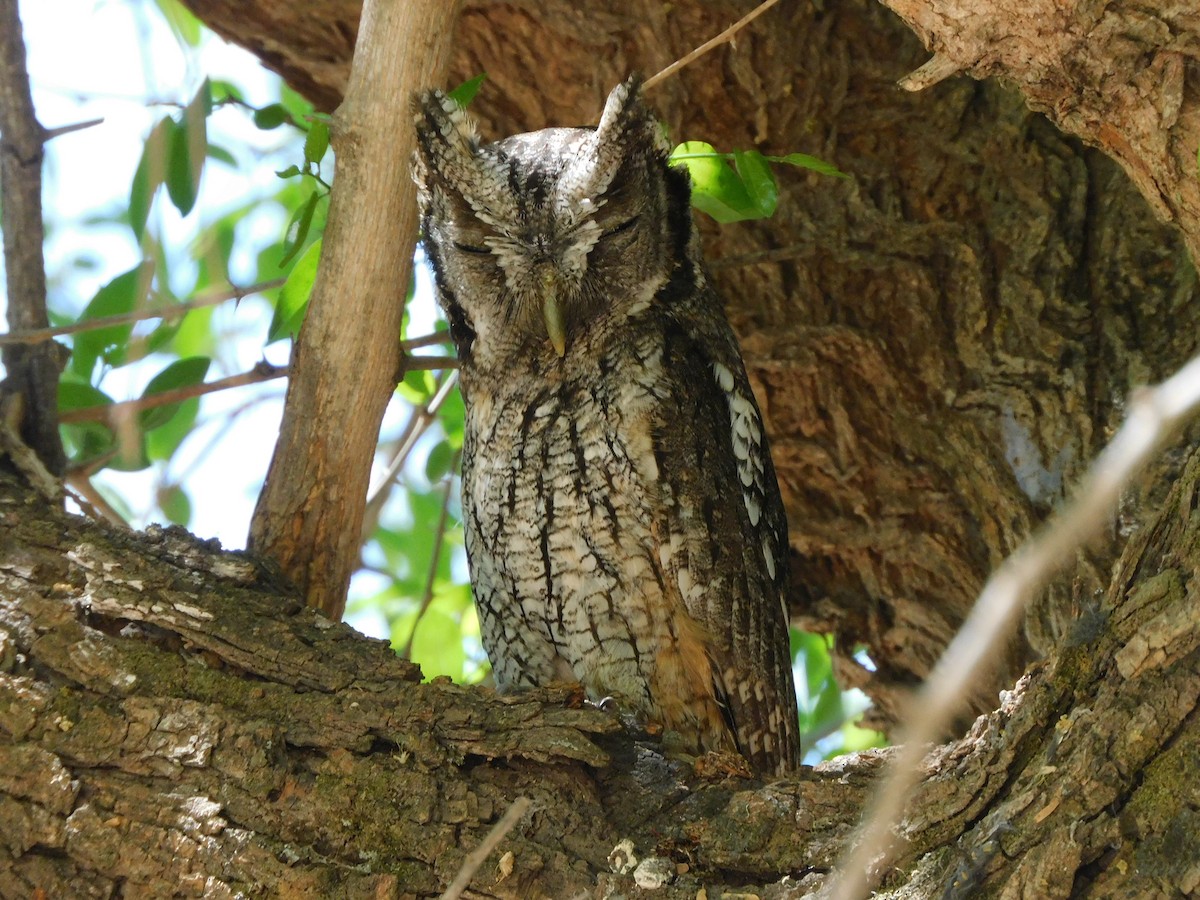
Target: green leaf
<point>465,92</point>
<point>804,161</point>
<point>220,154</point>
<point>293,297</point>
<point>195,335</point>
<point>438,642</point>
<point>188,149</point>
<point>417,387</point>
<point>453,417</point>
<point>271,116</point>
<point>716,188</point>
<point>175,504</point>
<point>298,228</point>
<point>123,294</point>
<point>162,442</point>
<point>289,172</point>
<point>80,395</point>
<point>181,373</point>
<point>225,91</point>
<point>439,461</point>
<point>150,172</point>
<point>758,181</point>
<point>131,455</point>
<point>185,26</point>
<point>316,142</point>
<point>86,441</point>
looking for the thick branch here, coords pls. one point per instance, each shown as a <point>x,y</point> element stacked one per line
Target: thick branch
<point>1115,75</point>
<point>32,371</point>
<point>309,515</point>
<point>168,717</point>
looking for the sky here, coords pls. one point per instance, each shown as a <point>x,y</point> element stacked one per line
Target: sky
<point>120,62</point>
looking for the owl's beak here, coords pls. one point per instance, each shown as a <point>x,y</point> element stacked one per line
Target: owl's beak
<point>552,314</point>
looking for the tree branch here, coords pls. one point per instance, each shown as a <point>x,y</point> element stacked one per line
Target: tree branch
<point>1156,416</point>
<point>113,413</point>
<point>166,313</point>
<point>724,37</point>
<point>309,515</point>
<point>32,372</point>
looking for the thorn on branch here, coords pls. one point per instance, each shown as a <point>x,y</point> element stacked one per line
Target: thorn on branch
<point>52,133</point>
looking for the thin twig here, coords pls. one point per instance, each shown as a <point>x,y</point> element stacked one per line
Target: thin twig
<point>1156,415</point>
<point>778,254</point>
<point>420,420</point>
<point>112,412</point>
<point>229,419</point>
<point>439,538</point>
<point>91,501</point>
<point>430,363</point>
<point>426,340</point>
<point>721,38</point>
<point>476,857</point>
<point>166,313</point>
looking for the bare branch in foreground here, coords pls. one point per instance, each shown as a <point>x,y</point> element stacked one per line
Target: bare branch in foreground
<point>1156,415</point>
<point>476,857</point>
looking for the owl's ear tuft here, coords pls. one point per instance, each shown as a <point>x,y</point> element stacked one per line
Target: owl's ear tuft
<point>443,128</point>
<point>627,118</point>
<point>628,130</point>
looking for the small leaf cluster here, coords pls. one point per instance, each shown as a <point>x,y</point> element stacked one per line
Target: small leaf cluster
<point>736,186</point>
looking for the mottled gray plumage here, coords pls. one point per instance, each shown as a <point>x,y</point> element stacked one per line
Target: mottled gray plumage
<point>623,522</point>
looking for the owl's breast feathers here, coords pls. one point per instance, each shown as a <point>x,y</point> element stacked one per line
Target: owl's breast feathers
<point>621,530</point>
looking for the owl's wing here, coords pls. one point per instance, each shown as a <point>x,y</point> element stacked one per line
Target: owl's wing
<point>727,532</point>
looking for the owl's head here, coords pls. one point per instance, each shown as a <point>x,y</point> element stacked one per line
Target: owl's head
<point>541,243</point>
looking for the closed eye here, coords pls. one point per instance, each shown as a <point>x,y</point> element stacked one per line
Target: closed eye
<point>623,227</point>
<point>471,248</point>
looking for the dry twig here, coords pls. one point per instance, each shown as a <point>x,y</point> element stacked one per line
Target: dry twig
<point>477,856</point>
<point>1156,415</point>
<point>166,313</point>
<point>113,412</point>
<point>723,37</point>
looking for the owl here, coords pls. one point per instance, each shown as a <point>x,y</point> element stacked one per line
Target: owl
<point>623,524</point>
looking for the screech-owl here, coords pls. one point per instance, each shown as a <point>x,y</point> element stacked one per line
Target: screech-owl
<point>623,523</point>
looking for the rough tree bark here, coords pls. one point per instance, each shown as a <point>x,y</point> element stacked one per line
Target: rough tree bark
<point>939,345</point>
<point>169,727</point>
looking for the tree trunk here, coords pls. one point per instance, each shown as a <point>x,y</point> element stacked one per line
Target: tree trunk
<point>939,344</point>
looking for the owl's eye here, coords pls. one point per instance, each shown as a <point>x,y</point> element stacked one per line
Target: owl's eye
<point>620,229</point>
<point>471,248</point>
